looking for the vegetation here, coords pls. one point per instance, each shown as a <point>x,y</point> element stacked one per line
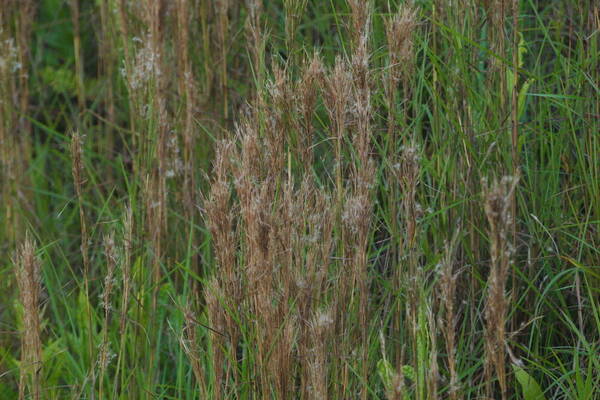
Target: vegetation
<point>293,199</point>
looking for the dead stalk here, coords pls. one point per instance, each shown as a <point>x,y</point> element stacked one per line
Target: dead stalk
<point>29,281</point>
<point>77,170</point>
<point>447,284</point>
<point>105,355</point>
<point>498,200</point>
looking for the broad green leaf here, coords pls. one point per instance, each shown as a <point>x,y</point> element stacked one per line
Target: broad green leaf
<point>522,50</point>
<point>531,389</point>
<point>522,95</point>
<point>386,373</point>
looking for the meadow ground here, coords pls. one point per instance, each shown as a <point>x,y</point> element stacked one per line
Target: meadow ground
<point>294,199</point>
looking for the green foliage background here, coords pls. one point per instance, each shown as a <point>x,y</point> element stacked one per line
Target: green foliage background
<point>463,134</point>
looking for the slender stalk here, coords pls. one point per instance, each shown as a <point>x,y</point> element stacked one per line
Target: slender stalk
<point>121,368</point>
<point>27,270</point>
<point>221,10</point>
<point>77,170</point>
<point>187,86</point>
<point>79,73</point>
<point>107,70</point>
<point>498,200</point>
<point>109,282</point>
<point>515,127</point>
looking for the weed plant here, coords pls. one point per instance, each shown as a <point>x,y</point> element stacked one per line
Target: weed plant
<point>294,199</point>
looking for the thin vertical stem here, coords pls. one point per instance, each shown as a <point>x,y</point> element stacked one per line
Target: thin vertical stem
<point>77,172</point>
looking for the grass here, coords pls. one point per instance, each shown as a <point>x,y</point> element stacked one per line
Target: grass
<point>299,199</point>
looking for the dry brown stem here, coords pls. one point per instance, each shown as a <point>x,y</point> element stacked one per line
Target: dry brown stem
<point>27,271</point>
<point>498,199</point>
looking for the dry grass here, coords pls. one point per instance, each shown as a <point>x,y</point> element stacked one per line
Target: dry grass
<point>273,199</point>
<point>498,200</point>
<point>27,271</point>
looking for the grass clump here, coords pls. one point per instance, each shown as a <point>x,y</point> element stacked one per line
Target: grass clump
<point>299,200</point>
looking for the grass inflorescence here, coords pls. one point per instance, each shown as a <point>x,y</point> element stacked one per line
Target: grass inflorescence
<point>293,199</point>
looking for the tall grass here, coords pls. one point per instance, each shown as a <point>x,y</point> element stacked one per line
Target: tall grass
<point>299,199</point>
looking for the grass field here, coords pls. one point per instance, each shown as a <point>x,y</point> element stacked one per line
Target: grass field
<point>294,199</point>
